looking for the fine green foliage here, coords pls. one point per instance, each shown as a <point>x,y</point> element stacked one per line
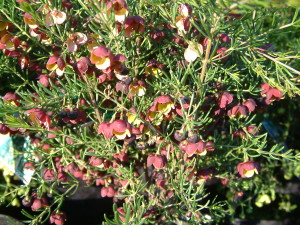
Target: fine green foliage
<point>159,103</point>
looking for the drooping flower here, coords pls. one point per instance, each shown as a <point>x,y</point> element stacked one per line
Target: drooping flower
<point>8,42</point>
<point>238,111</point>
<point>158,161</point>
<point>56,64</point>
<point>224,100</point>
<point>55,17</point>
<point>58,218</point>
<point>270,94</point>
<point>39,117</point>
<point>182,24</point>
<point>121,129</point>
<point>28,19</point>
<point>102,58</point>
<point>193,52</point>
<point>185,10</point>
<point>120,9</point>
<point>250,104</point>
<point>155,68</point>
<point>163,104</point>
<point>193,148</point>
<point>137,89</point>
<point>248,169</point>
<point>76,39</point>
<point>134,24</point>
<point>12,98</point>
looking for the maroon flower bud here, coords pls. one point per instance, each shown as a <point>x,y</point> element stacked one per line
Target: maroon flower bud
<point>3,129</point>
<point>224,38</point>
<point>27,201</point>
<point>222,54</point>
<point>253,130</point>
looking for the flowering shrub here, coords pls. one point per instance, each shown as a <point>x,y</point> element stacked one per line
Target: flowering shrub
<point>152,101</point>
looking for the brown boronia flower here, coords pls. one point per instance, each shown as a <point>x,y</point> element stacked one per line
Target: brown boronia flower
<point>108,192</point>
<point>121,129</point>
<point>58,218</point>
<point>155,68</point>
<point>56,64</point>
<point>225,99</point>
<point>193,52</point>
<point>134,24</point>
<point>120,9</point>
<point>163,104</point>
<point>238,111</point>
<point>270,94</point>
<point>3,25</point>
<point>158,161</point>
<point>248,169</point>
<point>55,17</point>
<point>10,97</point>
<point>102,57</point>
<point>137,89</point>
<point>8,42</point>
<point>182,24</point>
<point>224,38</point>
<point>49,174</point>
<point>222,53</point>
<point>193,148</point>
<point>28,19</point>
<point>42,37</point>
<point>185,10</point>
<point>39,117</point>
<point>74,40</point>
<point>39,203</point>
<point>132,117</point>
<point>105,129</point>
<point>250,104</point>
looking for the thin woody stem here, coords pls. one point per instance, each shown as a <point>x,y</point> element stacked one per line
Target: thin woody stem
<point>260,51</point>
<point>92,98</point>
<point>205,62</point>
